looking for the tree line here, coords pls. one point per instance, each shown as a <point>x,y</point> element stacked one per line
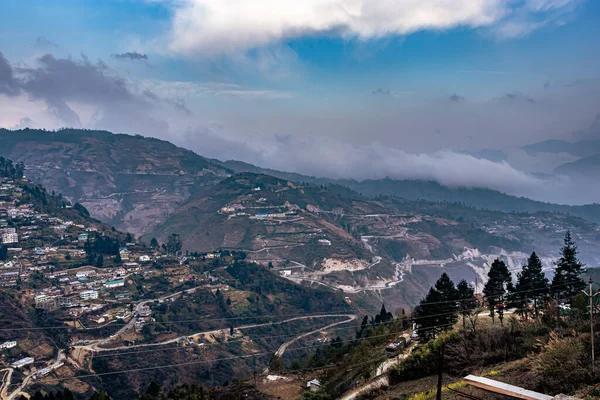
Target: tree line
<point>445,302</point>
<point>8,169</point>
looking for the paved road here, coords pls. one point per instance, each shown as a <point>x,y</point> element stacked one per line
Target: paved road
<point>27,380</point>
<point>5,382</point>
<point>96,349</point>
<point>284,346</point>
<point>95,346</point>
<point>380,380</point>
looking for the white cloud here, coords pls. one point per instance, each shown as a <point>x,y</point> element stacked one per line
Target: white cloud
<point>235,26</point>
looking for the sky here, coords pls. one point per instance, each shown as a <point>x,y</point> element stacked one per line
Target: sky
<point>430,89</point>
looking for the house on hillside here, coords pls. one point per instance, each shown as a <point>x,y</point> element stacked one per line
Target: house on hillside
<point>314,385</point>
<point>114,284</point>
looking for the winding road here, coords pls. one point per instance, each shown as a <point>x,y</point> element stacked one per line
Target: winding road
<point>350,317</point>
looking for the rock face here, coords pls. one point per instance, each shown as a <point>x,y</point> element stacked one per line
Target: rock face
<point>131,182</point>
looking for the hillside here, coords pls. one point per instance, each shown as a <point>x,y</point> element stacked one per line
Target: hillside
<point>410,189</point>
<point>130,182</point>
<point>371,249</point>
<point>72,287</point>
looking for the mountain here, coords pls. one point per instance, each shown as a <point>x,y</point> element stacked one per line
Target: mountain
<point>388,247</point>
<point>412,189</point>
<point>128,181</point>
<point>581,148</point>
<point>584,167</point>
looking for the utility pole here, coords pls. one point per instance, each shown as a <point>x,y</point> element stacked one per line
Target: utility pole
<point>591,295</point>
<point>440,369</point>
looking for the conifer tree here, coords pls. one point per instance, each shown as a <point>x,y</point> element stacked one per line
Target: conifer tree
<point>466,299</point>
<point>438,311</point>
<point>495,289</point>
<point>532,284</point>
<point>567,280</point>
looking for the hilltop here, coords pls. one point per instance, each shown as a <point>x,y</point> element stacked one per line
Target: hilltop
<point>130,182</point>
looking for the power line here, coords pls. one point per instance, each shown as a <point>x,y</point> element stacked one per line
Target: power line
<point>281,315</point>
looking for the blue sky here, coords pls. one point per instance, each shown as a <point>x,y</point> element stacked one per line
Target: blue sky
<point>256,80</point>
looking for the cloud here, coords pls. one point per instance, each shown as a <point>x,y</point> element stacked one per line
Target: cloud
<point>8,83</point>
<point>130,56</point>
<point>185,89</point>
<point>24,122</point>
<point>43,43</point>
<point>515,97</point>
<point>392,93</point>
<point>232,26</point>
<point>456,98</point>
<point>66,86</point>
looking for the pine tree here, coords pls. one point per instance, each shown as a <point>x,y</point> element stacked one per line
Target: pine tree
<point>532,284</point>
<point>437,312</point>
<point>154,244</point>
<point>495,289</point>
<point>467,301</point>
<point>567,280</point>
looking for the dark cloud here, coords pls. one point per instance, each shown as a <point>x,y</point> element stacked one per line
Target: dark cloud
<point>577,82</point>
<point>385,92</point>
<point>43,43</point>
<point>179,104</point>
<point>456,98</point>
<point>130,56</point>
<point>515,96</point>
<point>63,82</point>
<point>8,83</point>
<point>546,84</point>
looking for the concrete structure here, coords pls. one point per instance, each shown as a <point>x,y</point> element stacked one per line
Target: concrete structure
<point>325,242</point>
<point>505,389</point>
<point>114,284</point>
<point>9,238</point>
<point>8,345</point>
<point>88,295</point>
<point>22,362</point>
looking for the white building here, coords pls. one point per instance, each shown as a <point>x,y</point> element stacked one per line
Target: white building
<point>8,345</point>
<point>325,242</point>
<point>144,258</point>
<point>22,362</point>
<point>85,273</point>
<point>88,295</point>
<point>9,238</point>
<point>114,284</point>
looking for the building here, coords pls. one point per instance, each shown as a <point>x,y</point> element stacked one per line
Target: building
<point>8,345</point>
<point>83,237</point>
<point>85,273</point>
<point>9,238</point>
<point>114,284</point>
<point>88,295</point>
<point>96,318</point>
<point>325,242</point>
<point>313,385</point>
<point>22,362</point>
<point>144,258</point>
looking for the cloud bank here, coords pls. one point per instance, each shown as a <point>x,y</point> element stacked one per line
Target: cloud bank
<point>230,26</point>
